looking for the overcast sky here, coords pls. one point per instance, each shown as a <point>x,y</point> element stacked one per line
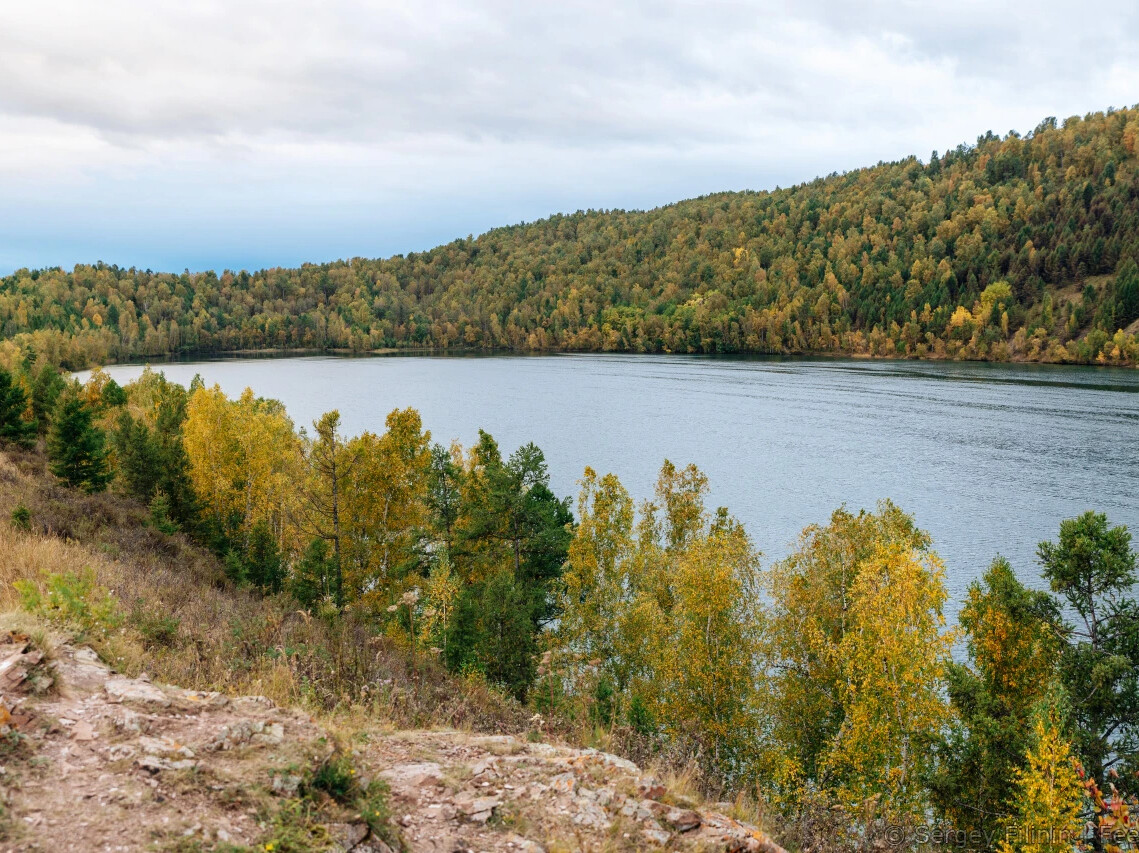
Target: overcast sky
<point>251,133</point>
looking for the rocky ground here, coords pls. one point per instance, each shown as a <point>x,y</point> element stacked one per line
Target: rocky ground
<point>93,761</point>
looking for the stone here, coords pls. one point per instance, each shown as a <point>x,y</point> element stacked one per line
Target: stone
<point>477,809</point>
<point>563,783</point>
<point>650,788</point>
<point>656,836</point>
<point>164,747</point>
<point>133,690</point>
<point>284,785</point>
<point>271,735</point>
<point>346,836</point>
<point>419,775</point>
<point>682,820</point>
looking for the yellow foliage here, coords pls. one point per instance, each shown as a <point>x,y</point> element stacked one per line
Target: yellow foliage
<point>855,653</point>
<point>244,457</point>
<point>1046,816</point>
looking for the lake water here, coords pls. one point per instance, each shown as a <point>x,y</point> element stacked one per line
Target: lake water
<point>988,458</point>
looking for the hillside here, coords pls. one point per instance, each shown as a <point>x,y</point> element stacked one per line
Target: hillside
<point>1016,248</point>
<point>262,748</point>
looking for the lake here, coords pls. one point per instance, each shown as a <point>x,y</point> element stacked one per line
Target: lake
<point>988,458</point>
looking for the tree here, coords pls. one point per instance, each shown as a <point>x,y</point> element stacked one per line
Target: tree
<point>46,388</point>
<point>1047,795</point>
<point>320,507</point>
<point>243,461</point>
<point>660,620</point>
<point>76,447</point>
<point>706,662</point>
<point>1092,569</point>
<point>14,427</point>
<point>1013,652</point>
<point>856,645</point>
<point>385,511</point>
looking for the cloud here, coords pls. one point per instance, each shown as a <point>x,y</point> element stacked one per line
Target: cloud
<point>366,113</point>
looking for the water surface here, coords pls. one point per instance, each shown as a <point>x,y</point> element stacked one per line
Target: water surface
<point>988,458</point>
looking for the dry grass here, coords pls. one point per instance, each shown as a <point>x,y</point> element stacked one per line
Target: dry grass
<point>183,622</point>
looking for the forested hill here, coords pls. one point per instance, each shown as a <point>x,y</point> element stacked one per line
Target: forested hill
<point>1013,248</point>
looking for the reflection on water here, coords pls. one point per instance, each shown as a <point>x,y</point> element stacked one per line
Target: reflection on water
<point>989,458</point>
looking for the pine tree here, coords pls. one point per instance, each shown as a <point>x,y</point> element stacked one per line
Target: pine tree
<point>76,447</point>
<point>14,428</point>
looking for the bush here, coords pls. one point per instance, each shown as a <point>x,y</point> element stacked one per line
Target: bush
<point>21,517</point>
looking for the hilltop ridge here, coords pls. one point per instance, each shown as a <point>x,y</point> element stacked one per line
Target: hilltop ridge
<point>1015,248</point>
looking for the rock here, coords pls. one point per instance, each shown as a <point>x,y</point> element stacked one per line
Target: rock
<point>81,669</point>
<point>649,788</point>
<point>756,842</point>
<point>682,820</point>
<point>563,783</point>
<point>656,836</point>
<point>271,735</point>
<point>477,809</point>
<point>252,703</point>
<point>524,845</point>
<point>153,765</point>
<point>245,732</point>
<point>284,785</point>
<point>346,836</point>
<point>420,775</point>
<point>487,765</point>
<point>592,816</point>
<point>83,730</point>
<point>164,747</point>
<point>133,690</point>
<point>121,751</point>
<point>128,722</point>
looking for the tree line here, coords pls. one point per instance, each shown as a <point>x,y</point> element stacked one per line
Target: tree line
<point>1013,248</point>
<point>824,684</point>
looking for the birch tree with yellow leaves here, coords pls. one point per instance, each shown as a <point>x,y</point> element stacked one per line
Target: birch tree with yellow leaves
<point>385,507</point>
<point>663,612</point>
<point>1049,796</point>
<point>855,655</point>
<point>244,460</point>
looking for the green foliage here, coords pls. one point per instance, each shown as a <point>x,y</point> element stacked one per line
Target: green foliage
<point>160,515</point>
<point>337,779</point>
<point>1092,569</point>
<point>73,599</point>
<point>312,578</point>
<point>873,261</point>
<point>46,387</point>
<point>493,632</point>
<point>76,447</point>
<point>149,450</point>
<point>1012,658</point>
<point>263,561</point>
<point>21,517</point>
<point>14,427</point>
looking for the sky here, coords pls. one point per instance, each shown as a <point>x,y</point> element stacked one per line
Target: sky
<point>214,134</point>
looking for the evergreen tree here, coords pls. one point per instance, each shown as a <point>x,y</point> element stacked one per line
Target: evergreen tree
<point>1012,657</point>
<point>13,402</point>
<point>76,447</point>
<point>1092,568</point>
<point>47,386</point>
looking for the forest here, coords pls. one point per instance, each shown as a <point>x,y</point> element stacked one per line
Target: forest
<point>825,685</point>
<point>1013,248</point>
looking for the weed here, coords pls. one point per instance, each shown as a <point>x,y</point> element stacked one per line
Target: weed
<point>22,517</point>
<point>72,599</point>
